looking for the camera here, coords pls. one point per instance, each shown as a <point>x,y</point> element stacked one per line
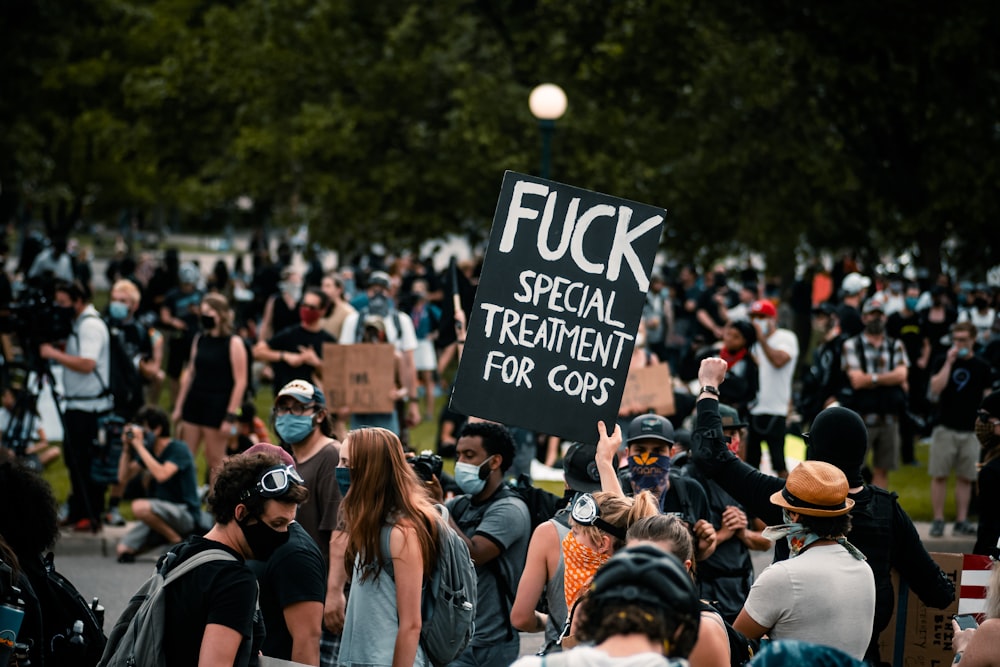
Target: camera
<point>35,318</point>
<point>427,465</point>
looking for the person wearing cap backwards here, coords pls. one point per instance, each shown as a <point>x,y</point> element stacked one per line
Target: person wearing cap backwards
<point>642,610</point>
<point>650,438</point>
<point>209,612</point>
<point>880,528</point>
<point>876,366</point>
<point>776,353</point>
<point>398,331</point>
<point>824,593</point>
<point>292,587</point>
<point>988,434</point>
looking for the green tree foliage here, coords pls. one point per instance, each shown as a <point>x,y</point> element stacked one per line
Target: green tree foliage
<point>771,125</point>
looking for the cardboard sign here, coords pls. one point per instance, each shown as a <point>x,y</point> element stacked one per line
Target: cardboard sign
<point>361,377</point>
<point>920,635</point>
<point>558,304</point>
<point>649,388</point>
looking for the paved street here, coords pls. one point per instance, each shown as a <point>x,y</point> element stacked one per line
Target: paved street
<point>89,562</point>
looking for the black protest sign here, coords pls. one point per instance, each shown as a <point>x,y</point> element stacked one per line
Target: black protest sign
<point>558,305</point>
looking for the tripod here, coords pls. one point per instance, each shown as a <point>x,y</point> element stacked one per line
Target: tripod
<point>24,416</point>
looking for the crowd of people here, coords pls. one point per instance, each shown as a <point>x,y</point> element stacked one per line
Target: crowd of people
<point>647,560</point>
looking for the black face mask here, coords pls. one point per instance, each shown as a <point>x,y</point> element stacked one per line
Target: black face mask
<point>207,322</point>
<point>981,303</point>
<point>262,539</point>
<point>875,326</point>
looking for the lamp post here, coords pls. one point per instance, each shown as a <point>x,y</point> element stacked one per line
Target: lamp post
<point>547,103</point>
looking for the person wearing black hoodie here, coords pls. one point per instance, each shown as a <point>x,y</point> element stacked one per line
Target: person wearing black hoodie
<point>880,529</point>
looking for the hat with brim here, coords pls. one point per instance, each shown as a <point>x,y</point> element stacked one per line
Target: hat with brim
<point>580,468</point>
<point>815,488</point>
<point>730,417</point>
<point>303,392</point>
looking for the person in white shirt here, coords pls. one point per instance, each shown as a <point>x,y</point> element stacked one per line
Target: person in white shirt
<point>825,592</point>
<point>775,352</point>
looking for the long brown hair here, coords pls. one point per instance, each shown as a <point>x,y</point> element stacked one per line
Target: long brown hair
<point>220,305</point>
<point>384,487</point>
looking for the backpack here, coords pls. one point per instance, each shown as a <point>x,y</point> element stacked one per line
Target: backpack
<point>542,505</point>
<point>138,635</point>
<point>124,383</point>
<point>448,607</point>
<point>62,605</point>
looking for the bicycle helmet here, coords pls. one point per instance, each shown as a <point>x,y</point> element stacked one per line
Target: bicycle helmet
<point>647,575</point>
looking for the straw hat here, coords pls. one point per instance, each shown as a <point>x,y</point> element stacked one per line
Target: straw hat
<point>815,488</point>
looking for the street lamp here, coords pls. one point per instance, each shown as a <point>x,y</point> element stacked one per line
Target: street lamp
<point>547,103</point>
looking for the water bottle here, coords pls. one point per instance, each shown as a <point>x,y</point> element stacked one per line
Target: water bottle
<point>11,615</point>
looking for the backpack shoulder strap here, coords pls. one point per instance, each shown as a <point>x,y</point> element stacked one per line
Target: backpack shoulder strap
<point>207,556</point>
<point>859,349</point>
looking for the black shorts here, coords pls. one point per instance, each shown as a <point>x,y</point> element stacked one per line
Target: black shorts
<point>205,409</point>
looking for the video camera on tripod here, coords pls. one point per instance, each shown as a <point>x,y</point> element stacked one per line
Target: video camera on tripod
<point>35,318</point>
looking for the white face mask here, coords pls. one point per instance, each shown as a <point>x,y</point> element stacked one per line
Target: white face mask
<point>765,327</point>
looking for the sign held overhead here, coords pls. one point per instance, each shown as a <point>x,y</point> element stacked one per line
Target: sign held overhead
<point>557,308</point>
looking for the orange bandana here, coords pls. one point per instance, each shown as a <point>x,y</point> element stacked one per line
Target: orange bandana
<point>580,562</point>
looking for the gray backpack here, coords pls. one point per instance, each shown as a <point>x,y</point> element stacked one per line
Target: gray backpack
<point>137,638</point>
<point>448,605</point>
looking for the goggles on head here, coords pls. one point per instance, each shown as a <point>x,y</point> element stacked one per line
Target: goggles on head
<point>275,482</point>
<point>986,417</point>
<point>586,513</point>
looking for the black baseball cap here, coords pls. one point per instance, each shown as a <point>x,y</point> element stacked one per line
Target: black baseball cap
<point>580,468</point>
<point>650,427</point>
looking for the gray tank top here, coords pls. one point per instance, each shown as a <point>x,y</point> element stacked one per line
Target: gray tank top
<point>555,593</point>
<point>371,622</point>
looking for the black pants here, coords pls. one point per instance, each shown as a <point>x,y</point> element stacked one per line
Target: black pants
<point>86,500</point>
<point>769,429</point>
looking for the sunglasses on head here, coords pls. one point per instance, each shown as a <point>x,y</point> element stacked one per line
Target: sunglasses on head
<point>276,481</point>
<point>586,513</point>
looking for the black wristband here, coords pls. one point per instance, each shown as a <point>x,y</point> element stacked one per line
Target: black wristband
<point>231,416</point>
<point>708,389</point>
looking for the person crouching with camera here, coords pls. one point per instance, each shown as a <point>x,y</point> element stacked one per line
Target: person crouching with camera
<point>168,508</point>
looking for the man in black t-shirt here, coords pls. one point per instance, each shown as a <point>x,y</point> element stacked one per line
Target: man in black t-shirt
<point>292,590</point>
<point>959,381</point>
<point>296,353</point>
<point>210,615</point>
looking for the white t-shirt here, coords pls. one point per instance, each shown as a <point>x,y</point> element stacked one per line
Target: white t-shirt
<point>90,339</point>
<point>775,383</point>
<point>405,339</point>
<point>824,596</point>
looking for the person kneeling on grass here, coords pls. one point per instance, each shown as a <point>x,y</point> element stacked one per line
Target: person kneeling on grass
<point>169,509</point>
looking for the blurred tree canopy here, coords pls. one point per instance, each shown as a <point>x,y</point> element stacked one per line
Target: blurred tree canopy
<point>772,125</point>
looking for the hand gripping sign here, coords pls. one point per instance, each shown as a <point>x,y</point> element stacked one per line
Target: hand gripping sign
<point>557,308</point>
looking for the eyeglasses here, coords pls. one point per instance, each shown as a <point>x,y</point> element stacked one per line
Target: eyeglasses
<point>311,306</point>
<point>294,408</point>
<point>586,513</point>
<point>276,481</point>
<point>960,339</point>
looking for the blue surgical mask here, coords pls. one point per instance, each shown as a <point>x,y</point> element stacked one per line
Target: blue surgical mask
<point>343,479</point>
<point>468,479</point>
<point>293,429</point>
<point>911,303</point>
<point>118,310</point>
<point>963,352</point>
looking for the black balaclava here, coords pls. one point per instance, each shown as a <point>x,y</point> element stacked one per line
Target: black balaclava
<point>839,437</point>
